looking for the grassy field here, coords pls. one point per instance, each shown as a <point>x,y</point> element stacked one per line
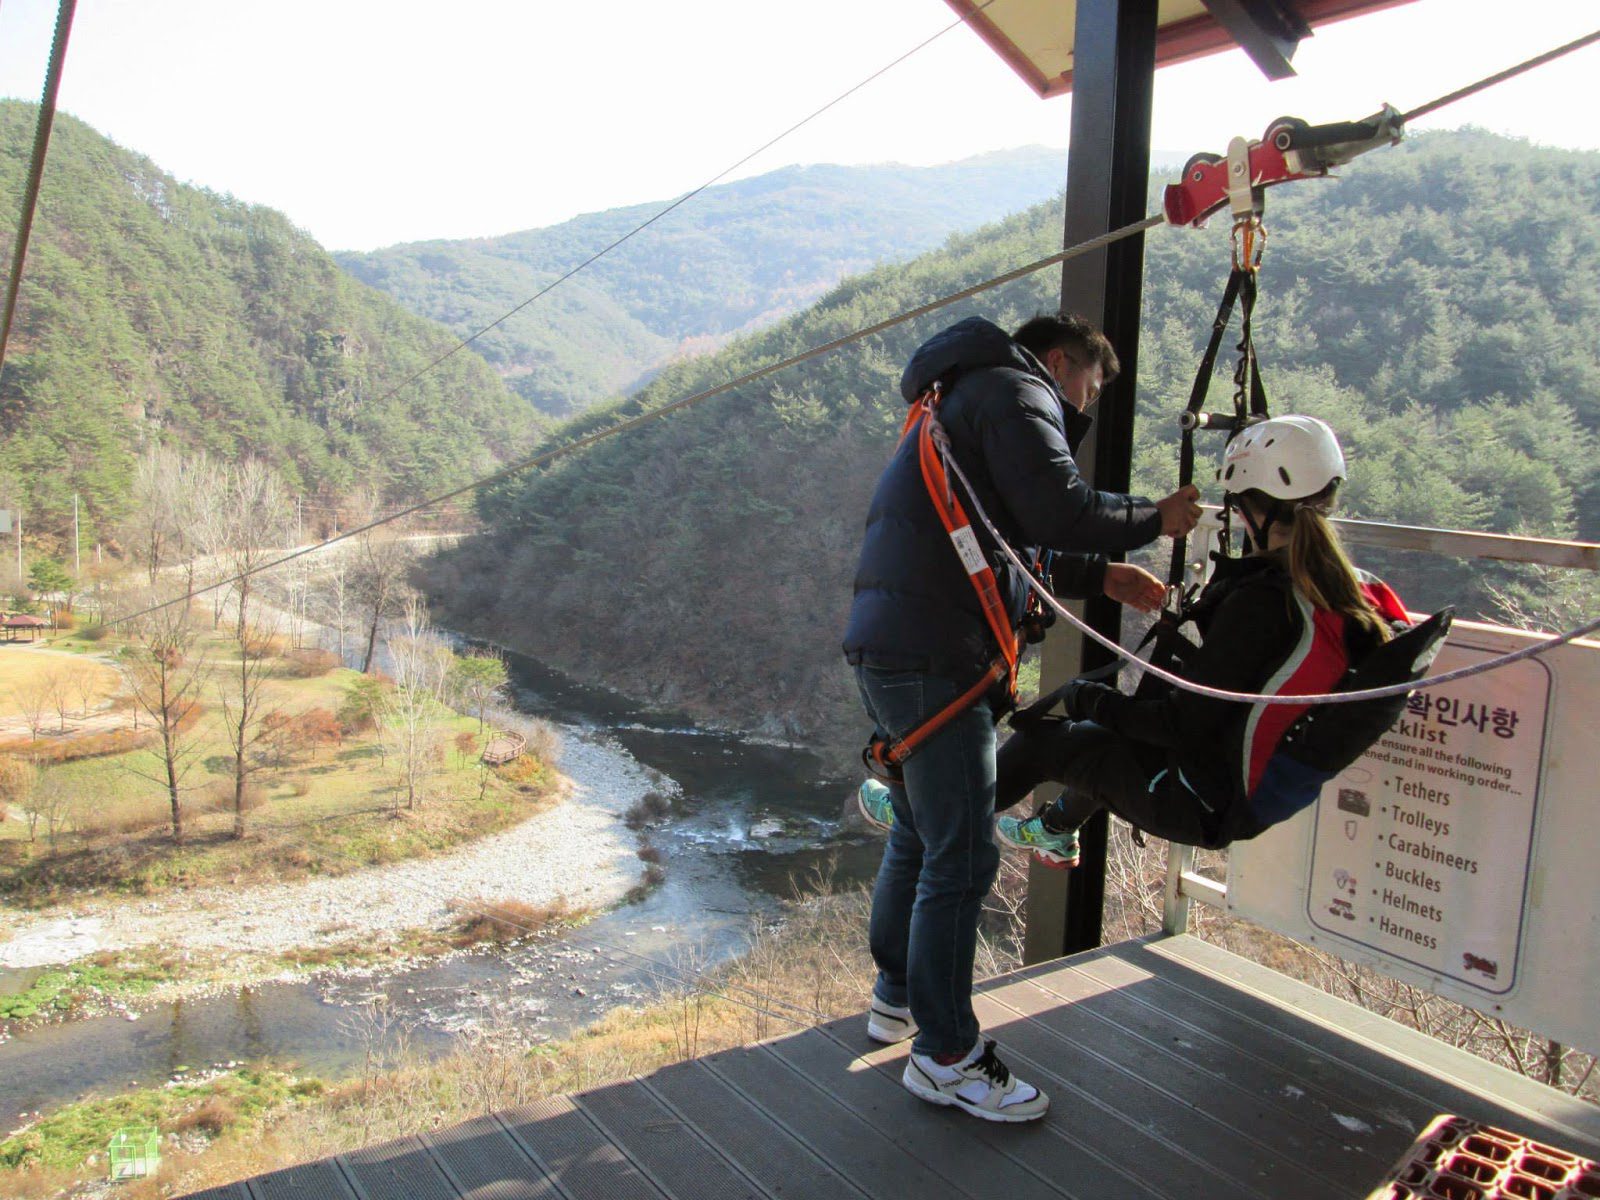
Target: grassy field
<point>323,805</point>
<point>24,667</point>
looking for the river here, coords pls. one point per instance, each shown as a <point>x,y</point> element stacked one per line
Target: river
<point>749,821</point>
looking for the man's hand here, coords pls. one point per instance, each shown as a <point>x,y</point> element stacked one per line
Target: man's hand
<point>1134,586</point>
<point>1180,512</point>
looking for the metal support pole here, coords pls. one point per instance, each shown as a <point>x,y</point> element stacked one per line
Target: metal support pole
<point>1108,181</point>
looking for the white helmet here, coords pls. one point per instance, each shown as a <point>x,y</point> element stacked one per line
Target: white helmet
<point>1288,458</point>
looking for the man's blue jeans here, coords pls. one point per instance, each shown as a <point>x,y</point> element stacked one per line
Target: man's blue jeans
<point>940,860</point>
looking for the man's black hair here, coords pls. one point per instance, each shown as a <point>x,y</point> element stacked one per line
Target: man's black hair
<point>1072,333</point>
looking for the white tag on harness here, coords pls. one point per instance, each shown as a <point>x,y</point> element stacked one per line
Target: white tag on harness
<point>967,547</point>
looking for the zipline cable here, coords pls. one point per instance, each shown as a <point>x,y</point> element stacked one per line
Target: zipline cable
<point>41,144</point>
<point>1200,689</point>
<point>1489,81</point>
<point>539,460</point>
<point>1071,252</point>
<point>583,443</point>
<point>683,199</point>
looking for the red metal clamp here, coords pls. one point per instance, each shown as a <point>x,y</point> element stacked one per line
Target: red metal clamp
<point>1290,149</point>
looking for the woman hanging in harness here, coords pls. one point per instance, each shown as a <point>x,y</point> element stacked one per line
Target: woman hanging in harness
<point>1290,616</point>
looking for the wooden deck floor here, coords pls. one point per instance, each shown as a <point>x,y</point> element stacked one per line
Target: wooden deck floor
<point>1175,1070</point>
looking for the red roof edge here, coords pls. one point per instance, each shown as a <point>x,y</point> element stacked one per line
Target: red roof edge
<point>1176,43</point>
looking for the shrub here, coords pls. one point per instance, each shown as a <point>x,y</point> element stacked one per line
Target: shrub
<point>18,778</point>
<point>93,745</point>
<point>309,662</point>
<point>213,1117</point>
<point>502,921</point>
<point>95,633</point>
<point>317,727</point>
<point>219,796</point>
<point>263,645</point>
<point>649,809</point>
<point>65,621</point>
<point>363,701</point>
<point>650,854</point>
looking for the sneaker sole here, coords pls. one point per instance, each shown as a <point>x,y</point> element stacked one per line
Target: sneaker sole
<point>869,818</point>
<point>879,1034</point>
<point>1057,862</point>
<point>887,1034</point>
<point>983,1114</point>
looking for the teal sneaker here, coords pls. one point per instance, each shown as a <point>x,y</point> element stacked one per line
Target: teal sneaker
<point>1053,849</point>
<point>872,798</point>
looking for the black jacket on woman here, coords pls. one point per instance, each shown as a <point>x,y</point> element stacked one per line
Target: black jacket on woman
<point>1258,636</point>
<point>1013,435</point>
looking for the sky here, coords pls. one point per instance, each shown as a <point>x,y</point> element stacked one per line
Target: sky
<point>371,122</point>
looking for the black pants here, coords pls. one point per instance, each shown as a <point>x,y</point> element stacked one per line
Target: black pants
<point>1100,769</point>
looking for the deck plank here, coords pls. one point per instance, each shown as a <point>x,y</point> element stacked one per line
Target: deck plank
<point>1448,1079</point>
<point>1257,1114</point>
<point>402,1170</point>
<point>878,1167</point>
<point>1064,1159</point>
<point>577,1155</point>
<point>1180,1141</point>
<point>767,1151</point>
<point>322,1180</point>
<point>667,1148</point>
<point>964,1151</point>
<point>483,1161</point>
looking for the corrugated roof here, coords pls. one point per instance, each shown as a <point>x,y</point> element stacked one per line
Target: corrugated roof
<point>1035,36</point>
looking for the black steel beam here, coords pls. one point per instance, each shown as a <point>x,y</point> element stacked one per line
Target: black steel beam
<point>1108,182</point>
<point>1267,30</point>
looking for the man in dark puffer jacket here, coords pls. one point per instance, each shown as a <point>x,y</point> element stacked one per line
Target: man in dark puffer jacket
<point>1014,408</point>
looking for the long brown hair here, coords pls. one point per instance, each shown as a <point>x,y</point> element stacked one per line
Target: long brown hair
<point>1319,569</point>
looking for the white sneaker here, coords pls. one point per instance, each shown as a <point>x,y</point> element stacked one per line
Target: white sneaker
<point>889,1023</point>
<point>980,1084</point>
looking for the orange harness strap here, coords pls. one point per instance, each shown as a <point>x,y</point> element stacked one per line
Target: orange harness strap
<point>884,756</point>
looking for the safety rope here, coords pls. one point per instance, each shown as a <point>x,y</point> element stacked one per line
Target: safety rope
<point>583,443</point>
<point>1200,689</point>
<point>41,144</point>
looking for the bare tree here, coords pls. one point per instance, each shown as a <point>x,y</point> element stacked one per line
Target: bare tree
<point>337,577</point>
<point>33,698</point>
<point>55,802</point>
<point>378,579</point>
<point>154,528</point>
<point>85,683</point>
<point>58,687</point>
<point>244,709</point>
<point>258,519</point>
<point>413,709</point>
<point>166,671</point>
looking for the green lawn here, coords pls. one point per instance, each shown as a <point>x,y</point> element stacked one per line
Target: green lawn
<point>315,810</point>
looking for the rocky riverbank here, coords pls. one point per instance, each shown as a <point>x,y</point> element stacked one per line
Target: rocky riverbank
<point>578,851</point>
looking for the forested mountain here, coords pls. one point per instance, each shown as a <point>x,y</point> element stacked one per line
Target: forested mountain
<point>1438,304</point>
<point>735,258</point>
<point>151,310</point>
